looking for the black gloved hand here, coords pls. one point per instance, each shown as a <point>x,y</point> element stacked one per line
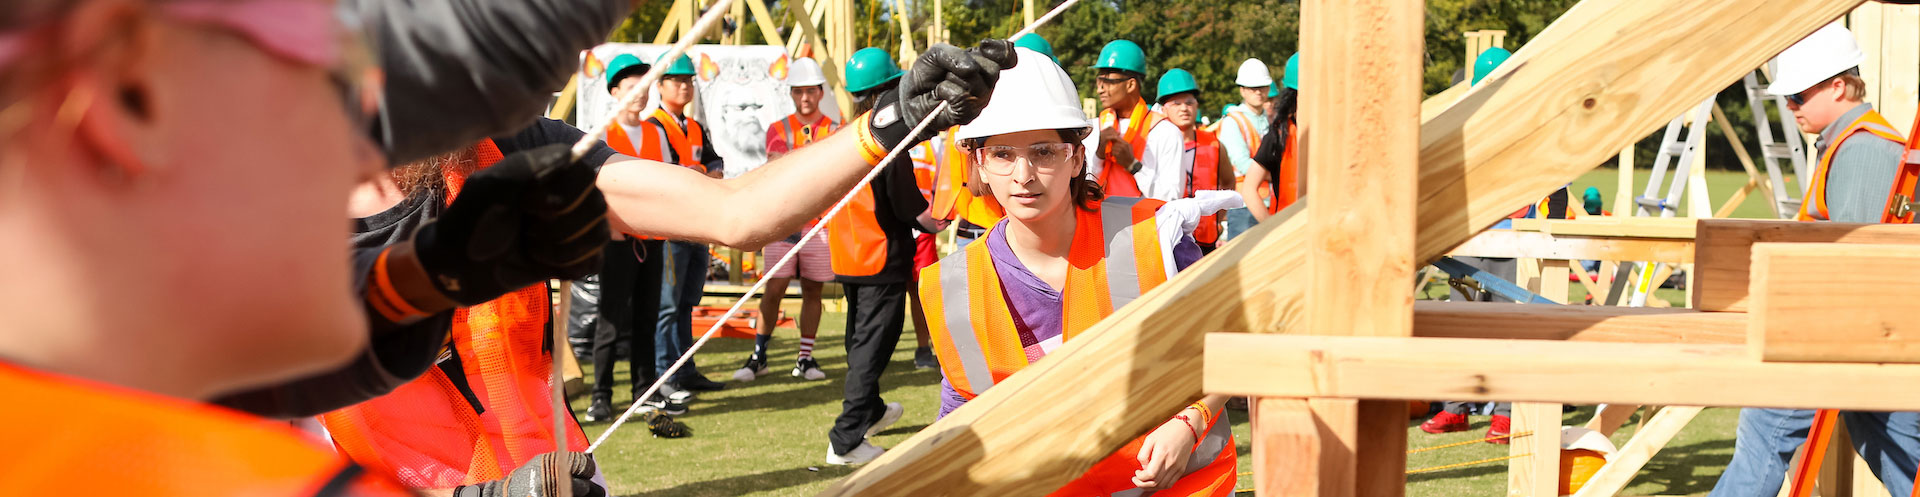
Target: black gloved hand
<point>535,215</point>
<point>542,477</point>
<point>963,79</point>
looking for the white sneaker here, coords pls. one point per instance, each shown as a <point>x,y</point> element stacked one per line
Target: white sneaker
<point>808,368</point>
<point>894,411</point>
<point>863,454</point>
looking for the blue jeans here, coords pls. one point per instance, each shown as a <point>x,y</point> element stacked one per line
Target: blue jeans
<point>682,282</point>
<point>1764,444</point>
<point>1238,221</point>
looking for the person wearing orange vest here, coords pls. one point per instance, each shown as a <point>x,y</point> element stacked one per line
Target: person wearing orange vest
<point>926,166</point>
<point>482,410</point>
<point>807,85</point>
<point>1240,128</point>
<point>872,242</point>
<point>133,133</point>
<point>1275,184</point>
<point>630,273</point>
<point>684,277</point>
<point>1064,258</point>
<point>1860,154</point>
<point>1138,150</point>
<point>1206,167</point>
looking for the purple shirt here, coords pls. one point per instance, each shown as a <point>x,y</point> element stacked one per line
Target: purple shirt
<point>1036,306</point>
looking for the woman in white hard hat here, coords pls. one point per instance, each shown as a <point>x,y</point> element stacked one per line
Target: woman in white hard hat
<point>1062,259</point>
<point>1859,156</point>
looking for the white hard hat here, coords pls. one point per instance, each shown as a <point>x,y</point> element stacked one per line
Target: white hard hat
<point>1825,53</point>
<point>805,72</point>
<point>1034,95</point>
<point>1253,73</point>
<point>1579,438</point>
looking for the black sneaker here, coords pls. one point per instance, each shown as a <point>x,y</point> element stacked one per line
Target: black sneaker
<point>923,359</point>
<point>665,427</point>
<point>808,368</point>
<point>699,383</point>
<point>666,405</point>
<point>754,368</point>
<point>601,410</point>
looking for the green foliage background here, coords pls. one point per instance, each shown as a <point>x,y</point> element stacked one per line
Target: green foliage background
<point>1208,38</point>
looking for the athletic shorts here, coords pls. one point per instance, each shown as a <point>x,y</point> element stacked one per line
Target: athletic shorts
<point>925,253</point>
<point>815,262</point>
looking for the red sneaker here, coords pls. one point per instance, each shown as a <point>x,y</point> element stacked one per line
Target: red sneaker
<point>1501,426</point>
<point>1445,422</point>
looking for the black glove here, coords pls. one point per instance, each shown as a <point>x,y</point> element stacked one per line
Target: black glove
<point>535,215</point>
<point>963,79</point>
<point>542,477</point>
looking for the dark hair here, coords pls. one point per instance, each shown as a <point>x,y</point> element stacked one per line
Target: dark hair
<point>1086,192</point>
<point>1283,110</point>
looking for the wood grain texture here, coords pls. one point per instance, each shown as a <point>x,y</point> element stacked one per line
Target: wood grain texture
<point>1286,448</point>
<point>1536,245</point>
<point>1602,76</point>
<point>1647,441</point>
<point>1536,470</point>
<point>1831,302</point>
<point>1542,371</point>
<point>1582,323</point>
<point>1723,252</point>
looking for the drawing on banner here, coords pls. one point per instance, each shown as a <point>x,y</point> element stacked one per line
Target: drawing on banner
<point>739,91</point>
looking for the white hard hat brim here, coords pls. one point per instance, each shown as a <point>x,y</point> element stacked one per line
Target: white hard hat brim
<point>1793,84</point>
<point>1253,73</point>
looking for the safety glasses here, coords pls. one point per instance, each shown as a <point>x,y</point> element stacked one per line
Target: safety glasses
<point>1000,159</point>
<point>313,33</point>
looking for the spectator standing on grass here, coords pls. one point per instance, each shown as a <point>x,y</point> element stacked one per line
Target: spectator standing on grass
<point>807,85</point>
<point>683,279</point>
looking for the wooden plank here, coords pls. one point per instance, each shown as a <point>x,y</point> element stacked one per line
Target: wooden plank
<point>1439,101</point>
<point>1535,469</point>
<point>1639,227</point>
<point>1599,78</point>
<point>1625,463</point>
<point>1284,428</point>
<point>1754,180</point>
<point>1499,320</point>
<point>1553,280</point>
<point>1829,302</point>
<point>1899,64</point>
<point>823,55</point>
<point>1542,371</point>
<point>1723,251</point>
<point>1337,422</point>
<point>1530,244</point>
<point>764,19</point>
<point>670,26</point>
<point>1623,187</point>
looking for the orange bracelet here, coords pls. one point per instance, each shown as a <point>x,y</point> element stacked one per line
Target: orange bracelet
<point>1205,413</point>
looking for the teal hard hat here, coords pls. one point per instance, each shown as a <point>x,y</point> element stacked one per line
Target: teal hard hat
<point>622,67</point>
<point>1175,82</point>
<point>1122,55</point>
<point>1488,61</point>
<point>1292,78</point>
<point>682,66</point>
<point>869,68</point>
<point>1273,91</point>
<point>1033,41</point>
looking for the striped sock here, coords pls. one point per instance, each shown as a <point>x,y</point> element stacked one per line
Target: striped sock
<point>806,347</point>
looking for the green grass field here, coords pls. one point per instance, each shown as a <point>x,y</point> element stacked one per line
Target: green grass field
<point>768,437</point>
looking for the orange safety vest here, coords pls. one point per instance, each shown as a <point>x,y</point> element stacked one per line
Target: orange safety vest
<point>1115,257</point>
<point>798,134</point>
<point>857,245</point>
<point>687,144</point>
<point>1114,177</point>
<point>67,434</point>
<point>1814,205</point>
<point>1246,132</point>
<point>647,147</point>
<point>428,435</point>
<point>1906,186</point>
<point>952,199</point>
<point>1286,188</point>
<point>925,165</point>
<point>1204,174</point>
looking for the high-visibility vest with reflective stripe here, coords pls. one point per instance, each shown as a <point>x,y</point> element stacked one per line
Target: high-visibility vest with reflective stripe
<point>1114,178</point>
<point>1906,185</point>
<point>68,436</point>
<point>925,165</point>
<point>1247,134</point>
<point>687,143</point>
<point>1813,206</point>
<point>798,134</point>
<point>1204,174</point>
<point>647,146</point>
<point>952,199</point>
<point>428,435</point>
<point>1114,258</point>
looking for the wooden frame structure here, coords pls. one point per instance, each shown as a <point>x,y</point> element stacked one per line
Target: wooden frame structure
<point>1600,77</point>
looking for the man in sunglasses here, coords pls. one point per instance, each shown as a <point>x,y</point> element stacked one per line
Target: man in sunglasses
<point>1138,152</point>
<point>1859,155</point>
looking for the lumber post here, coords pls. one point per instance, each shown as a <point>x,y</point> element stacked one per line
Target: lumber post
<point>1829,302</point>
<point>1601,77</point>
<point>1363,138</point>
<point>1509,321</point>
<point>1723,252</point>
<point>1286,429</point>
<point>1535,469</point>
<point>1647,441</point>
<point>1623,189</point>
<point>671,25</point>
<point>764,19</point>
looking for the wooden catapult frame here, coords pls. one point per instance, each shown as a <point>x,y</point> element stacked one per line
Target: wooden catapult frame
<point>1310,314</point>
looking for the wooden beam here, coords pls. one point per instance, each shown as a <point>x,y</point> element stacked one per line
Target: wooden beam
<point>1618,226</point>
<point>671,24</point>
<point>1439,101</point>
<point>764,18</point>
<point>1624,464</point>
<point>1601,77</point>
<point>1580,323</point>
<point>1284,428</point>
<point>1542,371</point>
<point>1723,251</point>
<point>825,57</point>
<point>1829,302</point>
<point>1535,471</point>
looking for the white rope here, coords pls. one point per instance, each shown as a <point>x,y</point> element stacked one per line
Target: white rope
<point>659,68</point>
<point>1043,19</point>
<point>762,282</point>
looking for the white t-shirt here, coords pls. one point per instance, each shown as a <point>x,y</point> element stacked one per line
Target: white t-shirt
<point>1165,143</point>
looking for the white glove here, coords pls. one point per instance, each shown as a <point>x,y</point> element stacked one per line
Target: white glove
<point>1178,218</point>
